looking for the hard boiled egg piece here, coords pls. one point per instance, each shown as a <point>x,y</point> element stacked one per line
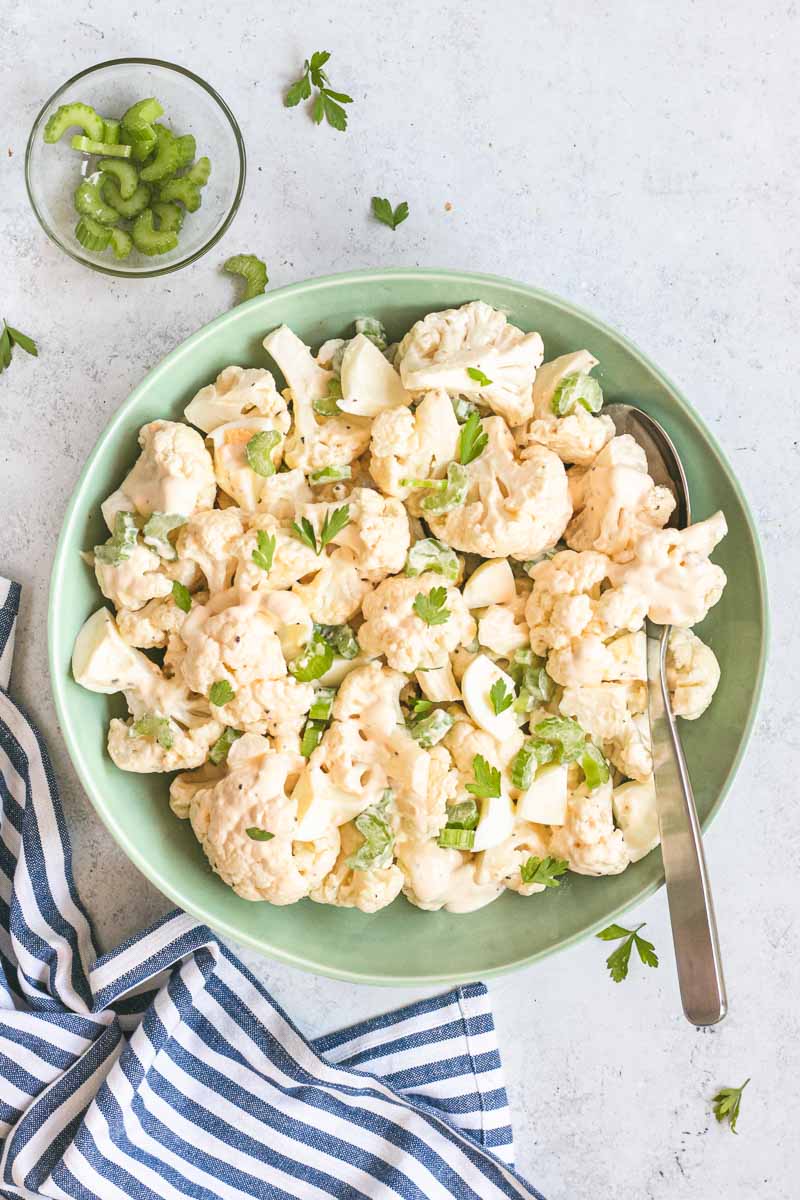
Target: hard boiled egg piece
<point>491,583</point>
<point>321,806</point>
<point>545,801</point>
<point>634,806</point>
<point>370,383</point>
<point>476,687</point>
<point>103,662</point>
<point>495,823</point>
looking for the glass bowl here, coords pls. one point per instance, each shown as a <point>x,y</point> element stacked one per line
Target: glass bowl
<point>52,172</point>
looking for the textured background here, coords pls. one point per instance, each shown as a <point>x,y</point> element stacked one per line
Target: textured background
<point>638,158</point>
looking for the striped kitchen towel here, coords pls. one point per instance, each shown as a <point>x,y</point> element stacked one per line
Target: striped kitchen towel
<point>164,1070</point>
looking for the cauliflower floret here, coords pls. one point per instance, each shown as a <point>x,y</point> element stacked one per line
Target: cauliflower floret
<point>692,674</point>
<point>184,787</point>
<point>576,437</point>
<point>234,474</point>
<point>313,443</point>
<point>285,703</point>
<point>413,445</point>
<point>615,501</point>
<point>440,350</point>
<point>588,840</point>
<point>187,747</point>
<point>377,533</point>
<point>609,713</point>
<point>210,539</point>
<point>253,796</point>
<point>502,628</point>
<point>393,628</point>
<point>135,581</point>
<point>501,864</point>
<point>438,878</point>
<point>337,591</point>
<point>352,761</point>
<point>672,573</point>
<point>371,695</point>
<point>284,494</point>
<point>237,393</point>
<point>153,625</point>
<point>173,474</point>
<point>292,559</point>
<point>465,740</point>
<point>367,890</point>
<point>512,509</point>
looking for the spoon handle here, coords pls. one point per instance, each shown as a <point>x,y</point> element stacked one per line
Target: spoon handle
<point>691,909</point>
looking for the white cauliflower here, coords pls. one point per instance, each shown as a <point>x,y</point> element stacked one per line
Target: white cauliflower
<point>502,628</point>
<point>238,393</point>
<point>135,580</point>
<point>465,740</point>
<point>371,695</point>
<point>615,501</point>
<point>292,560</point>
<point>234,474</point>
<point>512,509</point>
<point>178,750</point>
<point>588,840</point>
<point>413,445</point>
<point>313,442</point>
<point>151,627</point>
<point>610,714</point>
<point>576,437</point>
<point>501,863</point>
<point>252,799</point>
<point>283,494</point>
<point>377,533</point>
<point>345,887</point>
<point>692,674</point>
<point>173,474</point>
<point>672,573</point>
<point>351,761</point>
<point>337,591</point>
<point>441,349</point>
<point>392,626</point>
<point>184,787</point>
<point>437,878</point>
<point>210,539</point>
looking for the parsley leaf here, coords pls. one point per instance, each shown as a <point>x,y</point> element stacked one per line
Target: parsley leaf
<point>726,1104</point>
<point>327,102</point>
<point>477,374</point>
<point>472,440</point>
<point>182,596</point>
<point>219,751</point>
<point>383,211</point>
<point>431,608</point>
<point>306,533</point>
<point>265,552</point>
<point>152,726</point>
<point>617,962</point>
<point>543,870</point>
<point>259,835</point>
<point>334,523</point>
<point>500,697</point>
<point>9,338</point>
<point>487,779</point>
<point>221,693</point>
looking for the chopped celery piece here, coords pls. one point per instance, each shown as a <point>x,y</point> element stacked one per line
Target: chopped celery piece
<point>430,554</point>
<point>111,132</point>
<point>577,389</point>
<point>124,172</point>
<point>376,850</point>
<point>183,190</point>
<point>454,493</point>
<point>121,243</point>
<point>430,730</point>
<point>156,533</point>
<point>463,815</point>
<point>219,751</point>
<point>457,839</point>
<point>149,240</point>
<point>131,207</point>
<point>200,172</point>
<point>187,148</point>
<point>373,329</point>
<point>167,156</point>
<point>153,726</point>
<point>143,112</point>
<point>329,475</point>
<point>532,755</point>
<point>342,638</point>
<point>88,146</point>
<point>567,737</point>
<point>328,406</point>
<point>92,235</point>
<point>312,736</point>
<point>323,704</point>
<point>89,203</point>
<point>258,452</point>
<point>120,545</point>
<point>169,216</point>
<point>252,270</point>
<point>315,660</point>
<point>594,767</point>
<point>142,142</point>
<point>68,115</point>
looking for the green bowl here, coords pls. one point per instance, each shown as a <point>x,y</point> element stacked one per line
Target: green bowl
<point>401,944</point>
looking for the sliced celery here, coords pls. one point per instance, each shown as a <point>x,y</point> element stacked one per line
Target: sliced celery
<point>121,243</point>
<point>89,202</point>
<point>183,190</point>
<point>167,156</point>
<point>68,115</point>
<point>168,216</point>
<point>92,234</point>
<point>131,207</point>
<point>149,240</point>
<point>125,174</point>
<point>200,172</point>
<point>252,270</point>
<point>87,146</point>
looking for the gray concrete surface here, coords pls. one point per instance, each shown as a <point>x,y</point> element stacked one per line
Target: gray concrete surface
<point>638,158</point>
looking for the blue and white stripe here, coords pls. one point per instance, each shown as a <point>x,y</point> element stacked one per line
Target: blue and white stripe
<point>164,1070</point>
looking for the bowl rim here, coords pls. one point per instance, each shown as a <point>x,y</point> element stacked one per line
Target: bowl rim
<point>118,271</point>
<point>55,651</point>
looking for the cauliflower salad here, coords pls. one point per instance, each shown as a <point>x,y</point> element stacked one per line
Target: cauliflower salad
<point>387,622</point>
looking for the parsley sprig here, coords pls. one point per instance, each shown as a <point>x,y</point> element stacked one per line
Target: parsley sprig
<point>431,608</point>
<point>726,1104</point>
<point>263,555</point>
<point>9,338</point>
<point>617,961</point>
<point>472,440</point>
<point>500,697</point>
<point>477,374</point>
<point>383,211</point>
<point>333,524</point>
<point>487,779</point>
<point>543,870</point>
<point>327,102</point>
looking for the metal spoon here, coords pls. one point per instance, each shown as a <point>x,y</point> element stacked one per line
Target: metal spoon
<point>691,909</point>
